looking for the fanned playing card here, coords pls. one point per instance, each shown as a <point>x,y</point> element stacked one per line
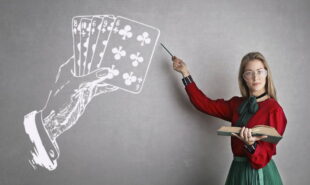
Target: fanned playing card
<point>76,35</point>
<point>129,52</point>
<point>85,33</point>
<point>96,24</point>
<point>104,33</point>
<point>76,29</point>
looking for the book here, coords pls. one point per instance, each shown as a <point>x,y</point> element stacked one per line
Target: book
<point>259,130</point>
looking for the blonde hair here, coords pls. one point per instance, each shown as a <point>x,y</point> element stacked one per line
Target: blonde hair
<point>269,86</point>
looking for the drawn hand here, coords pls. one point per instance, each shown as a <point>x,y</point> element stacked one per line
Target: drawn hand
<point>246,136</point>
<point>71,94</point>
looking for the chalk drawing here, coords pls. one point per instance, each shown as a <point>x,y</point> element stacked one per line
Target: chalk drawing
<point>109,53</point>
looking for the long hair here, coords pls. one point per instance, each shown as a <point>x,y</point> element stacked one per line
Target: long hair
<point>269,86</point>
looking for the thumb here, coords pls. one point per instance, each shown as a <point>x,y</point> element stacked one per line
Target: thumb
<point>98,76</point>
<point>261,137</point>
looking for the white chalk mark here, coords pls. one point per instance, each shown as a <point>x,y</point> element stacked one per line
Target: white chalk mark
<point>136,59</point>
<point>118,52</point>
<point>144,38</point>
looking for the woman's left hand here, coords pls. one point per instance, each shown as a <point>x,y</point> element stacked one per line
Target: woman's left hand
<point>246,136</point>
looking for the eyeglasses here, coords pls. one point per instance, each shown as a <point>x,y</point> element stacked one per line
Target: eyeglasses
<point>261,73</point>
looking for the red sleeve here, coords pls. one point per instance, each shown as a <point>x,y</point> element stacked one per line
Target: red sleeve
<point>264,151</point>
<point>218,108</point>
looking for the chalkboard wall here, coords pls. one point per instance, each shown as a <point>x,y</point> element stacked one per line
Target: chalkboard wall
<point>155,137</point>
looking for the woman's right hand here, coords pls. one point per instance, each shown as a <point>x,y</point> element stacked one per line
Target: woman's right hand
<point>180,66</point>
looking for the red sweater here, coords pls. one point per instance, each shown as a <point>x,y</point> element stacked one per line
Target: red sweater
<point>269,113</point>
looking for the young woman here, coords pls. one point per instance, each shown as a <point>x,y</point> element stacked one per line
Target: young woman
<point>252,163</point>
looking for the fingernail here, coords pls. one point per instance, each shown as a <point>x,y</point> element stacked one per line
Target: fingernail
<point>102,73</point>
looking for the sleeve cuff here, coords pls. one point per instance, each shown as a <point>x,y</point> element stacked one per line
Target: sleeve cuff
<point>187,80</point>
<point>251,148</point>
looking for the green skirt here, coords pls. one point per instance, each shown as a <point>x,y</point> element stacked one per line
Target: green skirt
<point>241,173</point>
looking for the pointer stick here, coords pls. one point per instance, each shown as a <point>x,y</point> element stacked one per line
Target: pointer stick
<point>166,50</point>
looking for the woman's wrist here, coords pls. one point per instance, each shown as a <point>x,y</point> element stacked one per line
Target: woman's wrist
<point>185,74</point>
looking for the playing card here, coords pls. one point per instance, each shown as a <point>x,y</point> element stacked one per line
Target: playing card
<point>85,31</point>
<point>76,29</point>
<point>106,27</point>
<point>129,52</point>
<point>76,35</point>
<point>96,24</point>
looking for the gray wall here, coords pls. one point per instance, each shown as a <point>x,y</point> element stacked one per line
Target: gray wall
<point>155,137</point>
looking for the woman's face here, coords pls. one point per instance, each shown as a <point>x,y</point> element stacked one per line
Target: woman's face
<point>255,77</point>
